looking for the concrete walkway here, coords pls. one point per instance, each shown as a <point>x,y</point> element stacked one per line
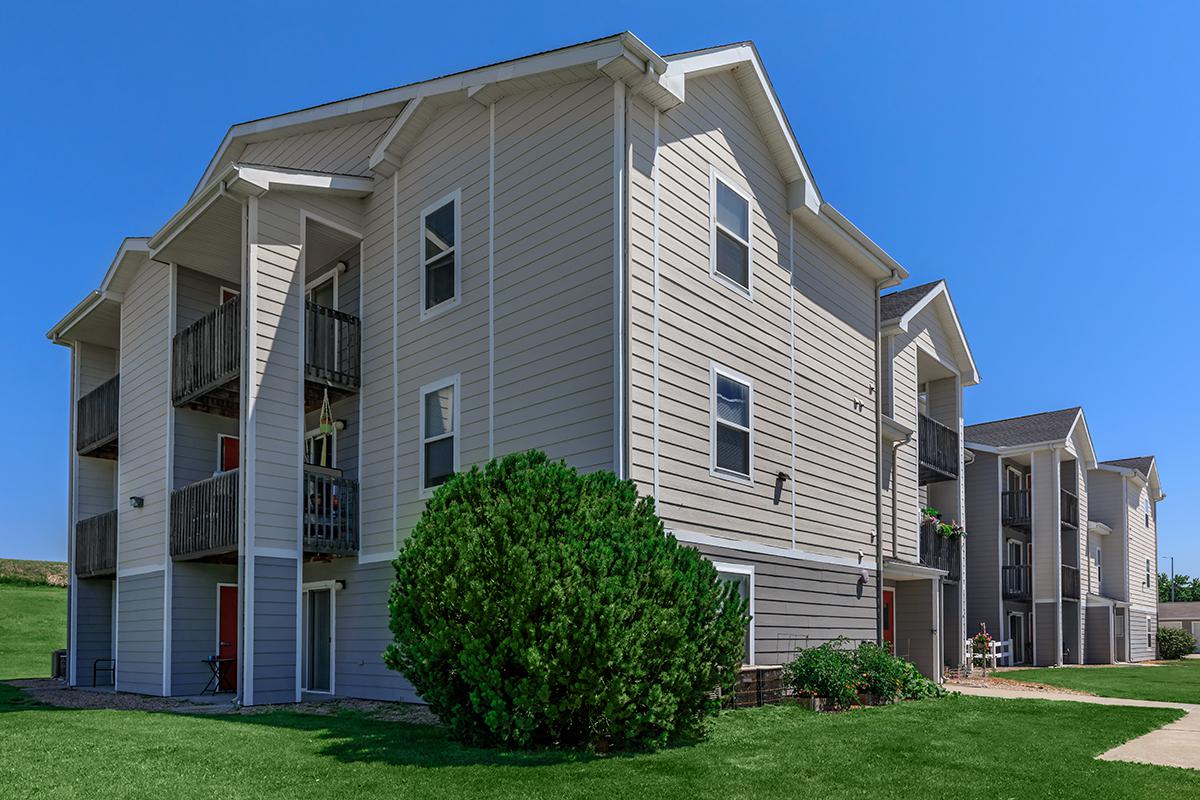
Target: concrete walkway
<point>1173,745</point>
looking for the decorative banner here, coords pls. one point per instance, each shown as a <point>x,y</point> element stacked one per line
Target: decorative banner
<point>326,424</point>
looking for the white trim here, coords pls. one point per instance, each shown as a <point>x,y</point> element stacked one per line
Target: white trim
<point>168,484</point>
<point>656,301</point>
<point>715,175</point>
<point>375,558</point>
<point>301,268</point>
<point>221,295</point>
<point>456,252</point>
<point>454,381</point>
<point>221,449</point>
<point>276,552</point>
<point>619,179</point>
<point>714,371</point>
<point>72,518</point>
<point>724,567</point>
<point>331,587</point>
<point>742,546</point>
<point>792,367</point>
<point>395,490</point>
<point>902,322</point>
<point>249,419</point>
<point>300,180</point>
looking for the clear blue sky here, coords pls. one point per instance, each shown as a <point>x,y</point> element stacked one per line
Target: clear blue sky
<point>1042,157</point>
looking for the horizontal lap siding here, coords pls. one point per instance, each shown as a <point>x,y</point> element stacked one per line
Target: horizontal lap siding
<point>346,149</point>
<point>94,628</point>
<point>1106,504</point>
<point>144,417</point>
<point>194,622</point>
<point>915,636</point>
<point>1142,547</point>
<point>702,321</point>
<point>984,542</point>
<point>362,630</point>
<point>1099,632</point>
<point>274,645</point>
<point>801,603</point>
<point>95,478</point>
<point>140,633</point>
<point>196,451</point>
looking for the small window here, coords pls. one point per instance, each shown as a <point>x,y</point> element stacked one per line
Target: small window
<point>440,262</point>
<point>1150,632</point>
<point>732,425</point>
<point>742,576</point>
<point>1149,573</point>
<point>439,433</point>
<point>731,250</point>
<point>1099,569</point>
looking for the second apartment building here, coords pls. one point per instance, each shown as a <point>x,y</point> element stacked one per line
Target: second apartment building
<point>613,256</point>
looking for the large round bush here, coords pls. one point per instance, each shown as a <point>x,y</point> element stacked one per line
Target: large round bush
<point>1175,643</point>
<point>535,606</point>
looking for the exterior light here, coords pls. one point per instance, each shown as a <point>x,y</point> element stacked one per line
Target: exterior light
<point>137,502</point>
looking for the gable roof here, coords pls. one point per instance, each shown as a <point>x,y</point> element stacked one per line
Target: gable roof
<point>1145,469</point>
<point>1042,428</point>
<point>897,309</point>
<point>1141,463</point>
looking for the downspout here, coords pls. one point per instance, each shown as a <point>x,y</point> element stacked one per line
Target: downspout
<point>879,286</point>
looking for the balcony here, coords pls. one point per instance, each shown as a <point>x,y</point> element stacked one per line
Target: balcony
<point>1069,510</point>
<point>940,552</point>
<point>206,358</point>
<point>1070,582</point>
<point>1015,581</point>
<point>97,418</point>
<point>204,517</point>
<point>937,451</point>
<point>1015,508</point>
<point>96,546</point>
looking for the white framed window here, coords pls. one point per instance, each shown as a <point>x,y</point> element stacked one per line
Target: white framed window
<point>1150,632</point>
<point>441,255</point>
<point>439,433</point>
<point>742,575</point>
<point>1014,552</point>
<point>1149,573</point>
<point>731,238</point>
<point>731,408</point>
<point>1099,568</point>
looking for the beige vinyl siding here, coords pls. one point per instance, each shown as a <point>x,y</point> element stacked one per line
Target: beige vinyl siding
<point>703,321</point>
<point>345,149</point>
<point>985,542</point>
<point>144,418</point>
<point>1106,504</point>
<point>140,632</point>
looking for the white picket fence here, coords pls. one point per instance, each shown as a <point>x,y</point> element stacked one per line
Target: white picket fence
<point>997,653</point>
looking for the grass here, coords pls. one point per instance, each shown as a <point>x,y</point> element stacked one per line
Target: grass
<point>1177,682</point>
<point>961,746</point>
<point>19,572</point>
<point>33,622</point>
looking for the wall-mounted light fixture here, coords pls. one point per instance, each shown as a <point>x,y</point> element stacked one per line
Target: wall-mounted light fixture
<point>137,502</point>
<point>339,585</point>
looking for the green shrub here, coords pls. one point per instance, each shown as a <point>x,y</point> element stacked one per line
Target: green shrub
<point>1175,643</point>
<point>823,671</point>
<point>915,686</point>
<point>877,671</point>
<point>534,606</point>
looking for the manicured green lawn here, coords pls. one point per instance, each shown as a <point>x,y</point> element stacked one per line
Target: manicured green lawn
<point>959,747</point>
<point>33,622</point>
<point>1177,682</point>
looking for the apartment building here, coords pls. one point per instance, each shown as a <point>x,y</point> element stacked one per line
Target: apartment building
<point>613,256</point>
<point>927,362</point>
<point>1121,566</point>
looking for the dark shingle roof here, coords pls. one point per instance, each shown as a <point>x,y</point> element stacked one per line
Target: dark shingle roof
<point>1141,463</point>
<point>1049,426</point>
<point>897,304</point>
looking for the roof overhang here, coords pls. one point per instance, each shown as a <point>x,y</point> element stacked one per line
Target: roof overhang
<point>939,293</point>
<point>1088,454</point>
<point>623,57</point>
<point>906,571</point>
<point>1139,478</point>
<point>1080,427</point>
<point>1098,528</point>
<point>894,431</point>
<point>91,318</point>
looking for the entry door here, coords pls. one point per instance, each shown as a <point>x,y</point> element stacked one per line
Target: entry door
<point>1016,630</point>
<point>229,452</point>
<point>318,640</point>
<point>1119,620</point>
<point>227,635</point>
<point>889,619</point>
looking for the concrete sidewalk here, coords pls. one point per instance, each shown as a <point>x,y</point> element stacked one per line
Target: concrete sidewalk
<point>1173,745</point>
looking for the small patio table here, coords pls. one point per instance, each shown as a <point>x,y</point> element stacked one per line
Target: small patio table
<point>217,666</point>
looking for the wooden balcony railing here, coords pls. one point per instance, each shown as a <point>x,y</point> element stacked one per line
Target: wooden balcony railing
<point>1069,509</point>
<point>206,356</point>
<point>940,552</point>
<point>1015,582</point>
<point>330,512</point>
<point>96,545</point>
<point>1015,508</point>
<point>1070,582</point>
<point>937,450</point>
<point>97,416</point>
<point>332,347</point>
<point>204,517</point>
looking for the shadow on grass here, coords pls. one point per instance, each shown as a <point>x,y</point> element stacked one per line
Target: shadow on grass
<point>351,736</point>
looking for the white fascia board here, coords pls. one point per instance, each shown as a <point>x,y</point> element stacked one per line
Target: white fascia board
<point>1089,458</point>
<point>1017,449</point>
<point>1098,528</point>
<point>966,369</point>
<point>132,247</point>
<point>852,244</point>
<point>81,310</point>
<point>301,181</point>
<point>894,431</point>
<point>387,101</point>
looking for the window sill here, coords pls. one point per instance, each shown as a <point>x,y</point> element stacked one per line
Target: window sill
<point>440,308</point>
<point>734,477</point>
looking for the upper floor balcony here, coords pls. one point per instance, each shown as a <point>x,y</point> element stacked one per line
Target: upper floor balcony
<point>1016,582</point>
<point>97,417</point>
<point>938,451</point>
<point>206,358</point>
<point>96,546</point>
<point>1016,507</point>
<point>940,552</point>
<point>1069,509</point>
<point>1070,582</point>
<point>204,516</point>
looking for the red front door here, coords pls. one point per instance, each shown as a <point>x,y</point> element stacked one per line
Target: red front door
<point>229,453</point>
<point>227,635</point>
<point>889,619</point>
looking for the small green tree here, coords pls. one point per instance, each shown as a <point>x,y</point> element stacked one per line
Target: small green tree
<point>535,606</point>
<point>1175,643</point>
